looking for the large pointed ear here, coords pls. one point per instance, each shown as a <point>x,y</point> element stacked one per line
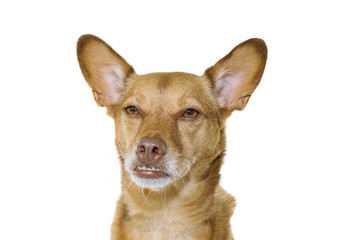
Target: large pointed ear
<point>236,76</point>
<point>104,70</point>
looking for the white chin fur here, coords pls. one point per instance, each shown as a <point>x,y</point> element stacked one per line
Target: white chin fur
<point>154,184</point>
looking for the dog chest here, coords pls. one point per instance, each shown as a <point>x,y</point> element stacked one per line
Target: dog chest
<point>167,229</point>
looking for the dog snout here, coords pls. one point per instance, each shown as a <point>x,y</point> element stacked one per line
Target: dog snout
<point>150,150</point>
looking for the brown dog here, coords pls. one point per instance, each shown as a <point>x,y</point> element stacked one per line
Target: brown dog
<point>170,136</point>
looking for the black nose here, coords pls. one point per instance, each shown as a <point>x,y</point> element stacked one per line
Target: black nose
<point>150,150</point>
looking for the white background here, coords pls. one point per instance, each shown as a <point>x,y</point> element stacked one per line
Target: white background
<point>293,157</point>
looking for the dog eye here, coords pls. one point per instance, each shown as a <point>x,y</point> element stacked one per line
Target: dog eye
<point>132,110</point>
<point>190,113</point>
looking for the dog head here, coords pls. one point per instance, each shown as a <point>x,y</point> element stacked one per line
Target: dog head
<point>169,125</point>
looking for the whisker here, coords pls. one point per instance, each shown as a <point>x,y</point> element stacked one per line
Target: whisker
<point>218,152</point>
<point>180,177</point>
<point>145,198</point>
<point>164,199</point>
<point>133,89</point>
<point>187,166</point>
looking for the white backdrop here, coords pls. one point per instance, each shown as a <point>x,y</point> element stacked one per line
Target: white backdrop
<point>293,153</point>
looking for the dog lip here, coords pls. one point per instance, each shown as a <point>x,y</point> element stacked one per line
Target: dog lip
<point>147,172</point>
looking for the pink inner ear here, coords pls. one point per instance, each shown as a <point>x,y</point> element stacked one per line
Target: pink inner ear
<point>230,87</point>
<point>112,82</point>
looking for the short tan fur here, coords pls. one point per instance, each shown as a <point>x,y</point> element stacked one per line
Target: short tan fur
<point>170,136</point>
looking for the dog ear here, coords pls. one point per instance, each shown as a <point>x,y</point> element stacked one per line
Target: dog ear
<point>236,76</point>
<point>104,70</point>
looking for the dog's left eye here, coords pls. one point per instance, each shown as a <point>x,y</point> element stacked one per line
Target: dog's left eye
<point>132,110</point>
<point>190,113</point>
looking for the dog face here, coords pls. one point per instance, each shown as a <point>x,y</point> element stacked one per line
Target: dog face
<point>168,123</point>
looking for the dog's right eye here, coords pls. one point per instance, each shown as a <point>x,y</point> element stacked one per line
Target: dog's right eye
<point>132,110</point>
<point>190,113</point>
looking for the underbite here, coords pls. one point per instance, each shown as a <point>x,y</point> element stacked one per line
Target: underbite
<point>147,172</point>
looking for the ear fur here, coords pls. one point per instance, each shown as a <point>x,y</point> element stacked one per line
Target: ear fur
<point>104,70</point>
<point>236,76</point>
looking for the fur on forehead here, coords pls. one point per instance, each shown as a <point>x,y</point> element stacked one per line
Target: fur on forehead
<point>176,85</point>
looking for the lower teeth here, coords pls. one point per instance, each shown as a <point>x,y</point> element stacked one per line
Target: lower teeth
<point>148,169</point>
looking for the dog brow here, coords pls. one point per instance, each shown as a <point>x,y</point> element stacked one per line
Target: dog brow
<point>133,89</point>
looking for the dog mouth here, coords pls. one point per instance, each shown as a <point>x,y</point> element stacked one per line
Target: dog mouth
<point>149,172</point>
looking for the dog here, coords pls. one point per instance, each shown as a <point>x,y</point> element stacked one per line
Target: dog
<point>170,138</point>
